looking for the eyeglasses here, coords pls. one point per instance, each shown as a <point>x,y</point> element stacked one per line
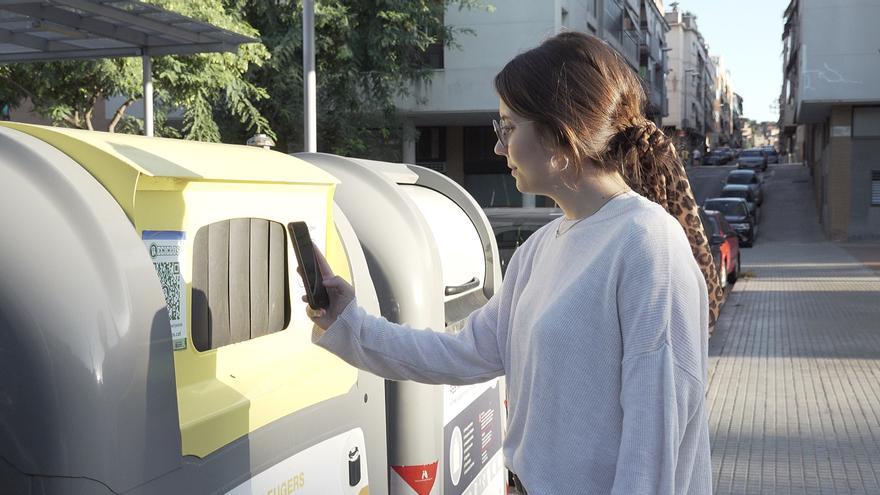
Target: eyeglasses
<point>503,130</point>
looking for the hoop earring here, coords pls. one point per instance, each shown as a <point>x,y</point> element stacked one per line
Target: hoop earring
<point>554,165</point>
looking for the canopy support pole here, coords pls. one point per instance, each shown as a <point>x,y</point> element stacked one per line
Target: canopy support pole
<point>310,134</point>
<point>148,94</point>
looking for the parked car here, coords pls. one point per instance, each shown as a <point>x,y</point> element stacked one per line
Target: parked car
<point>753,158</point>
<point>747,178</point>
<point>715,157</point>
<point>727,152</point>
<point>736,212</point>
<point>724,244</point>
<point>744,192</point>
<point>512,226</point>
<point>772,154</point>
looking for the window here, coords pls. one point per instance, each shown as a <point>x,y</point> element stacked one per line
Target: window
<point>431,146</point>
<point>240,285</point>
<point>479,151</point>
<point>866,122</point>
<point>875,188</point>
<point>432,57</point>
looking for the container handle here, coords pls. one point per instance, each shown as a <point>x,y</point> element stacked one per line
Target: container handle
<point>452,290</point>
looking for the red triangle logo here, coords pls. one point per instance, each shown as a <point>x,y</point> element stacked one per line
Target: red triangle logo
<point>420,477</point>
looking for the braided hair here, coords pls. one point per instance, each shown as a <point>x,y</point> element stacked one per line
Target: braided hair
<point>650,166</point>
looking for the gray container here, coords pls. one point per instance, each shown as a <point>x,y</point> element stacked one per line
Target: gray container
<point>433,260</point>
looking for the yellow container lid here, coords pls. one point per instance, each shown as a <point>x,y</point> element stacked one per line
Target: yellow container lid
<point>125,163</point>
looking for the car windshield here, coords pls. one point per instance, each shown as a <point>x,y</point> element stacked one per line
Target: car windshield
<point>739,179</point>
<point>736,193</point>
<point>728,208</point>
<point>752,153</point>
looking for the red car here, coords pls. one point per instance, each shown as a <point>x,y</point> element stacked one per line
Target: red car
<point>724,243</point>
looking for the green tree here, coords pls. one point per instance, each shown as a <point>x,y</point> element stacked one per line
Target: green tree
<point>67,91</point>
<point>366,53</point>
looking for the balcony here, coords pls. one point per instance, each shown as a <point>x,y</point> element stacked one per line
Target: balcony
<point>786,114</point>
<point>630,43</point>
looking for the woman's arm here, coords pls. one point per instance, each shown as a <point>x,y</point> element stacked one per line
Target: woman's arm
<point>398,352</point>
<point>662,311</point>
<point>401,353</point>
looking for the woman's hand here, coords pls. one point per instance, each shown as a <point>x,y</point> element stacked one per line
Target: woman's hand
<point>340,293</point>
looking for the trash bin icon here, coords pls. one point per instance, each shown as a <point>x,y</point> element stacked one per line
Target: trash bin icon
<point>354,467</point>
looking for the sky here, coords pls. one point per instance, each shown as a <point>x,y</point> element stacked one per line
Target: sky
<point>747,35</point>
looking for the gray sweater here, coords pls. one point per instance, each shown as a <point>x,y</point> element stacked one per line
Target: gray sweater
<point>601,334</point>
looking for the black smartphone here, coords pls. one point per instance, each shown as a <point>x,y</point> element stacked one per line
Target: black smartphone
<point>308,263</point>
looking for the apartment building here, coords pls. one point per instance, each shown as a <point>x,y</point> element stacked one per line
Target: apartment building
<point>723,106</point>
<point>448,120</point>
<point>748,140</point>
<point>737,139</point>
<point>652,58</point>
<point>690,83</point>
<point>830,109</point>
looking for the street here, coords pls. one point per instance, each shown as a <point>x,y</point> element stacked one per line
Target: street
<point>794,395</point>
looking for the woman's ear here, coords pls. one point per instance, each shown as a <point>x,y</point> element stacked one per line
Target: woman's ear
<point>559,162</point>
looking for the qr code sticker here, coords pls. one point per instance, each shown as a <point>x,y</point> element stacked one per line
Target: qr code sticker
<point>169,277</point>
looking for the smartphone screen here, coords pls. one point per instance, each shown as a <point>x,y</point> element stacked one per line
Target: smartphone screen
<point>311,272</point>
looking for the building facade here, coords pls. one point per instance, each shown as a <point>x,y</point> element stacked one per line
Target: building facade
<point>652,58</point>
<point>738,140</point>
<point>690,83</point>
<point>723,106</point>
<point>830,109</point>
<point>448,120</point>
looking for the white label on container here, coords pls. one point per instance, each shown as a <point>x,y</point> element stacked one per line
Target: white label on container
<point>336,466</point>
<point>166,249</point>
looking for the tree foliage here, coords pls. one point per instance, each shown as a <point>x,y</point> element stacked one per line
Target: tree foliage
<point>67,91</point>
<point>367,52</point>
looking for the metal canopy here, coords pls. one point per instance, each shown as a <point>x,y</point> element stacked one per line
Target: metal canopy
<point>43,30</point>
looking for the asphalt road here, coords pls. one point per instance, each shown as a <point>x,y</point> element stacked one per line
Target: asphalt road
<point>706,180</point>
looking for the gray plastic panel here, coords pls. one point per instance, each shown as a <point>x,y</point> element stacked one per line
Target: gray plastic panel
<point>218,283</point>
<point>259,277</point>
<point>239,279</point>
<point>86,369</point>
<point>277,278</point>
<point>200,320</point>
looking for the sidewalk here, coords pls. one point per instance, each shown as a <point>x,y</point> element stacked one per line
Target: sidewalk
<point>794,371</point>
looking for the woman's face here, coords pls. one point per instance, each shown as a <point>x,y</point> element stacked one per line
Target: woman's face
<point>527,157</point>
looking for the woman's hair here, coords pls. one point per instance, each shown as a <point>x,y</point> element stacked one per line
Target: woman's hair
<point>588,103</point>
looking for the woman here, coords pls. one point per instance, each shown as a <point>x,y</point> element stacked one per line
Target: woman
<point>601,324</point>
